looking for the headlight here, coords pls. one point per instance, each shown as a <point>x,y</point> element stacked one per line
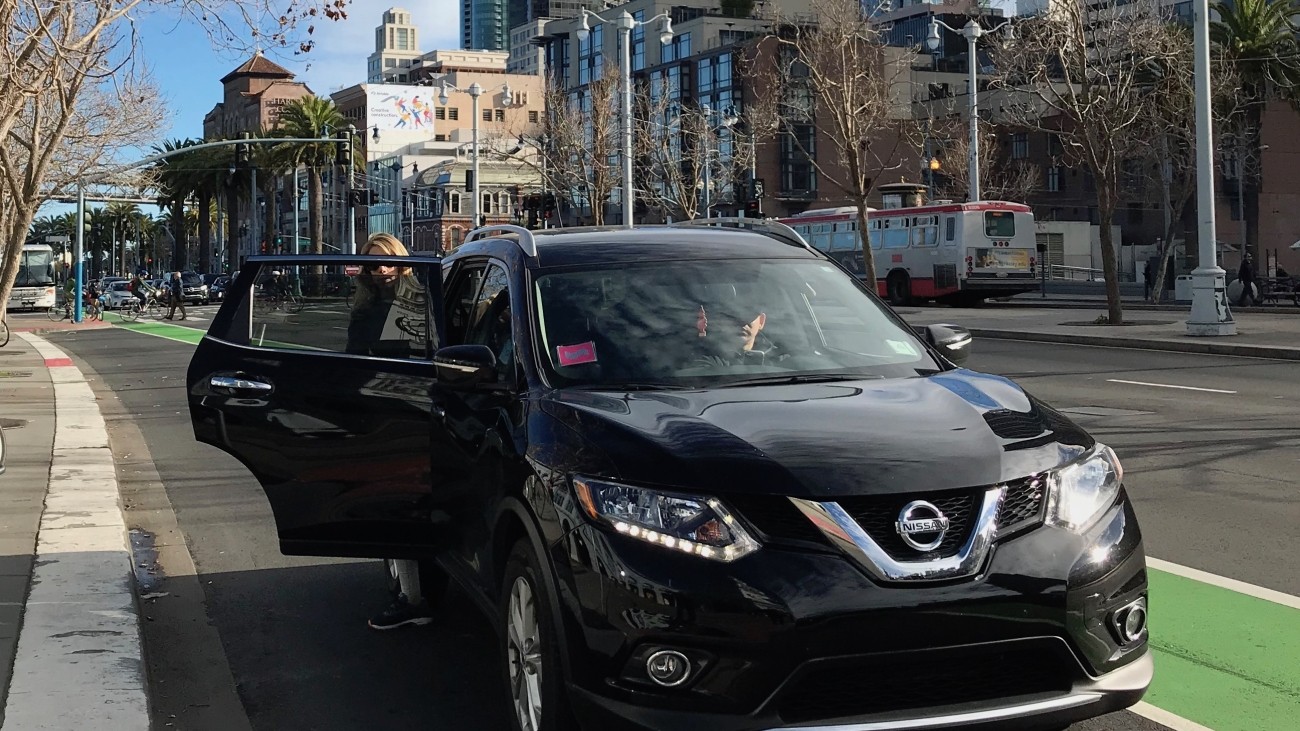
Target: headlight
<point>694,524</point>
<point>1079,492</point>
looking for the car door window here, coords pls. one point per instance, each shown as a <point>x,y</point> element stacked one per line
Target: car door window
<point>465,284</point>
<point>491,324</point>
<point>358,309</point>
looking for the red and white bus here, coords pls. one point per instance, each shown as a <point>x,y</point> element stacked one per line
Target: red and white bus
<point>954,252</point>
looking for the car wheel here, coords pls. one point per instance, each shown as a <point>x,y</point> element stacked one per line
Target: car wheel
<point>433,581</point>
<point>899,288</point>
<point>533,674</point>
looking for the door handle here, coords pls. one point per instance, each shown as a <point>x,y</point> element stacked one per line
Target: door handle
<point>235,383</point>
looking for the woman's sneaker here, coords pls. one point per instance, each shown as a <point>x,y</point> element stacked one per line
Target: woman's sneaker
<point>401,613</point>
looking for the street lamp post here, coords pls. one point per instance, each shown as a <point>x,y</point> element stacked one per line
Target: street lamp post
<point>728,119</point>
<point>1210,313</point>
<point>972,32</point>
<point>474,91</point>
<point>625,24</point>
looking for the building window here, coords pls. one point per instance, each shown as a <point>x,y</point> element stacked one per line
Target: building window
<point>453,114</point>
<point>638,42</point>
<point>453,202</point>
<point>487,206</point>
<point>1019,146</point>
<point>1055,147</point>
<point>589,55</point>
<point>532,117</point>
<point>487,115</point>
<point>499,115</point>
<point>440,138</point>
<point>439,113</point>
<point>1054,178</point>
<point>797,152</point>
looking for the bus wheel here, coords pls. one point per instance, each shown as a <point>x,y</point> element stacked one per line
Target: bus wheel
<point>899,288</point>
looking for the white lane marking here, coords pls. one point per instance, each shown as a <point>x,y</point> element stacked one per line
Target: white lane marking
<point>1167,385</point>
<point>1223,582</point>
<point>79,661</point>
<point>1165,718</point>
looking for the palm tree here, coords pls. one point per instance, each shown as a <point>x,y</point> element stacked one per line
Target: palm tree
<point>272,162</point>
<point>312,116</point>
<point>121,218</point>
<point>1259,39</point>
<point>175,183</point>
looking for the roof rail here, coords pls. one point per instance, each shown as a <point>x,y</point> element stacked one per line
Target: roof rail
<point>526,241</point>
<point>767,227</point>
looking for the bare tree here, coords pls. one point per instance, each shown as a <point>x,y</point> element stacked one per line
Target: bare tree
<point>681,148</point>
<point>834,89</point>
<point>1000,179</point>
<point>578,151</point>
<point>1083,72</point>
<point>73,96</point>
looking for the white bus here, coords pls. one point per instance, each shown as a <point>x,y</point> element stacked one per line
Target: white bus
<point>955,252</point>
<point>34,287</point>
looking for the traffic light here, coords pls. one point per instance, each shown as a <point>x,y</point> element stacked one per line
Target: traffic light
<point>373,197</point>
<point>242,153</point>
<point>264,247</point>
<point>753,209</point>
<point>469,180</point>
<point>548,205</point>
<point>343,148</point>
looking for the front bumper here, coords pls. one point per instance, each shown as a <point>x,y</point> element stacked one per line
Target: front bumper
<point>779,636</point>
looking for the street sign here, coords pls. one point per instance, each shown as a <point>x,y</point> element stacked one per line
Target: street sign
<point>758,187</point>
<point>57,239</point>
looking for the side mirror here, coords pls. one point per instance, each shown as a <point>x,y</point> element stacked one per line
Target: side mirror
<point>951,340</point>
<point>465,366</point>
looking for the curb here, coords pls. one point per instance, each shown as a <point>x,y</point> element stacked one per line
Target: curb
<point>1136,307</point>
<point>79,661</point>
<point>1173,346</point>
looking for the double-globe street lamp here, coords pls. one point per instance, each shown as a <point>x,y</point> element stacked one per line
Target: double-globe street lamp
<point>625,24</point>
<point>474,91</point>
<point>972,32</point>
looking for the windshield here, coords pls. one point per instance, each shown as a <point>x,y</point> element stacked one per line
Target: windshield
<point>35,269</point>
<point>190,279</point>
<point>716,323</point>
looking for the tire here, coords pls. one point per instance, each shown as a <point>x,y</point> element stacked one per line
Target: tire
<point>433,581</point>
<point>4,333</point>
<point>534,686</point>
<point>293,304</point>
<point>56,313</point>
<point>154,310</point>
<point>899,288</point>
<point>128,313</point>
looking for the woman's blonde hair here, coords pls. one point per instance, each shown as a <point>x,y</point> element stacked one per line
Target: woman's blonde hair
<point>384,244</point>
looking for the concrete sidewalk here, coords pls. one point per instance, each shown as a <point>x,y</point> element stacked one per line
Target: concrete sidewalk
<point>71,625</point>
<point>1260,334</point>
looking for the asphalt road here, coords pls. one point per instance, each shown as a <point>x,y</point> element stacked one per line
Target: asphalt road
<point>1208,472</point>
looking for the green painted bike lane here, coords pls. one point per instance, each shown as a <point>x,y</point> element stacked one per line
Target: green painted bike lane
<point>1224,659</point>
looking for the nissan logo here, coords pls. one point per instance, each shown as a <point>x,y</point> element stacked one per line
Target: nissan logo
<point>921,525</point>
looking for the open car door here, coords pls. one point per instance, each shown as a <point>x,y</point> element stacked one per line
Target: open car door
<point>317,374</point>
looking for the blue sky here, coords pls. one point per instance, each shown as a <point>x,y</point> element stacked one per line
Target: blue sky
<point>188,69</point>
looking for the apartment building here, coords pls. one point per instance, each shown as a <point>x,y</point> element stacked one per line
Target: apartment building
<point>396,48</point>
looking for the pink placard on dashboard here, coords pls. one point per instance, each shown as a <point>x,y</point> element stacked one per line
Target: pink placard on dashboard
<point>571,355</point>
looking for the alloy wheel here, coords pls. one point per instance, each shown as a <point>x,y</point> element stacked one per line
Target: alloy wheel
<point>523,642</point>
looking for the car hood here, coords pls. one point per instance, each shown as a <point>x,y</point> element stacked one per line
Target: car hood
<point>955,429</point>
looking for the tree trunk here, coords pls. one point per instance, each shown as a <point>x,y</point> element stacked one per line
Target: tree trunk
<point>1106,214</point>
<point>205,232</point>
<point>314,221</point>
<point>868,256</point>
<point>179,238</point>
<point>1250,183</point>
<point>232,229</point>
<point>269,230</point>
<point>96,255</point>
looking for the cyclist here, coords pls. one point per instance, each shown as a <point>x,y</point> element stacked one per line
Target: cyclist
<point>137,289</point>
<point>92,298</point>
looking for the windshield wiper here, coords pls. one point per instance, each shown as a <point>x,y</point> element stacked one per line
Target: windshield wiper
<point>800,378</point>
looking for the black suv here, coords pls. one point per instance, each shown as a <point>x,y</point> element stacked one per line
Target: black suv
<point>698,474</point>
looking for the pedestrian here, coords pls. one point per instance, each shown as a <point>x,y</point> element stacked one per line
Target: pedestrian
<point>1146,279</point>
<point>1246,275</point>
<point>177,296</point>
<point>409,607</point>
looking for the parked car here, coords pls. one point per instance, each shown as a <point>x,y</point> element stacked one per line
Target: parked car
<point>698,477</point>
<point>117,295</point>
<point>217,287</point>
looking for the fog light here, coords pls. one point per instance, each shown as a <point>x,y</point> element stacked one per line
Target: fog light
<point>1132,621</point>
<point>668,668</point>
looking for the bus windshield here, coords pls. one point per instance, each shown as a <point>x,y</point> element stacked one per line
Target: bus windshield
<point>35,269</point>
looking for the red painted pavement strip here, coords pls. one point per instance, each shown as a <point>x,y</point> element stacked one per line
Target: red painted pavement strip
<point>56,362</point>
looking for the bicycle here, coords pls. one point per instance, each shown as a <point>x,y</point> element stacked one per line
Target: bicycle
<point>60,311</point>
<point>132,310</point>
<point>94,310</point>
<point>4,332</point>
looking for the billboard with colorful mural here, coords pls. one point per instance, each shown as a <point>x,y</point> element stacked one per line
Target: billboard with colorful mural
<point>405,108</point>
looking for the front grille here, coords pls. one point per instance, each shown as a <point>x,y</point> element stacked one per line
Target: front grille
<point>877,515</point>
<point>925,679</point>
<point>1010,424</point>
<point>1022,505</point>
<point>776,518</point>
